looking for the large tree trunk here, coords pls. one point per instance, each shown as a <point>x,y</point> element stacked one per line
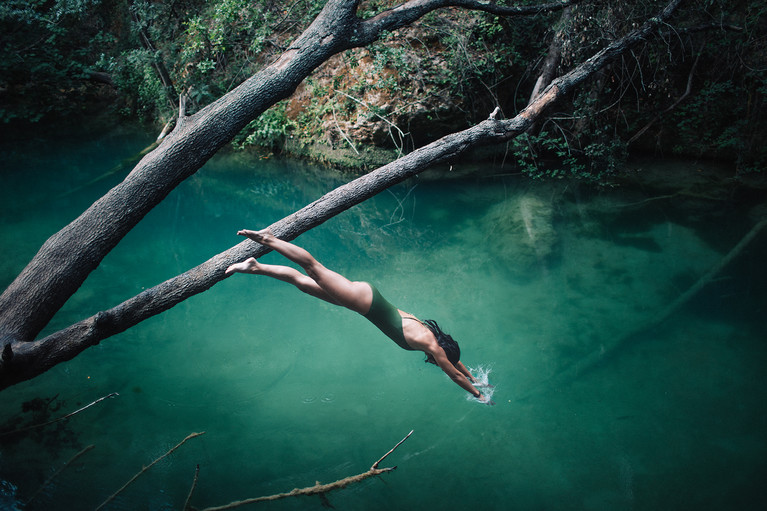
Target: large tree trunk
<point>553,55</point>
<point>66,259</point>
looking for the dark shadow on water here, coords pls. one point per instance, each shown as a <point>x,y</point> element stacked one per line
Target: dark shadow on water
<point>646,243</point>
<point>739,294</point>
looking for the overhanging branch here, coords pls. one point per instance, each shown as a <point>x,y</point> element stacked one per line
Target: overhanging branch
<point>25,360</point>
<point>67,258</point>
<point>412,10</point>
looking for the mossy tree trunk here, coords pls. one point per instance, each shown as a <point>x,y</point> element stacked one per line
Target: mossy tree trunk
<point>68,257</point>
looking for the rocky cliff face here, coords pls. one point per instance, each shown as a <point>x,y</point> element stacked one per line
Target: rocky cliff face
<point>371,104</point>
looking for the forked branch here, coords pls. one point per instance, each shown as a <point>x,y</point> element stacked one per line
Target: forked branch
<point>144,469</point>
<point>318,489</point>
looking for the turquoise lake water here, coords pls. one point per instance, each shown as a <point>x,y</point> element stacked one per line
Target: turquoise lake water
<point>531,279</point>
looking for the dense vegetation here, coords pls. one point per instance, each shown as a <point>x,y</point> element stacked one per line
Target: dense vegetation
<point>696,91</point>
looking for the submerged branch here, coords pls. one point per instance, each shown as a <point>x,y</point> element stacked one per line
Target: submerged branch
<point>605,352</point>
<point>144,469</point>
<point>187,503</point>
<point>64,417</point>
<point>318,489</point>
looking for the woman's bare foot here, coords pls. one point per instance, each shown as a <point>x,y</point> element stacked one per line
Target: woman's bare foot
<point>247,266</point>
<point>263,236</point>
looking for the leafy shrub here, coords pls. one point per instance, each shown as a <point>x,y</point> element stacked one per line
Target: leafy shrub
<point>268,130</point>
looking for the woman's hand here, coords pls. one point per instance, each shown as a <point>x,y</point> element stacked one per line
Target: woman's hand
<point>486,400</point>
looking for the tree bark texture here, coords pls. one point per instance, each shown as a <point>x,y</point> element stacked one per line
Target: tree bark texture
<point>553,55</point>
<point>66,259</point>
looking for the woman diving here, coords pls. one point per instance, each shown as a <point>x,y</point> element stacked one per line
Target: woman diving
<point>406,330</point>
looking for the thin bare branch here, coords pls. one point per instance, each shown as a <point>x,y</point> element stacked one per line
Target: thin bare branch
<point>144,469</point>
<point>318,489</point>
<point>676,103</point>
<point>59,419</point>
<point>188,502</point>
<point>375,465</point>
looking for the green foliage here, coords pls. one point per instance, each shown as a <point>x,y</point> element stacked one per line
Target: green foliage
<point>210,46</point>
<point>725,117</point>
<point>550,155</point>
<point>267,131</point>
<point>544,156</point>
<point>46,50</point>
<point>721,116</point>
<point>447,70</point>
<point>707,106</point>
<point>137,77</point>
<point>477,53</point>
<point>717,121</point>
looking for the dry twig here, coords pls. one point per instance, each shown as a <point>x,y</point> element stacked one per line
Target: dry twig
<point>318,489</point>
<point>144,469</point>
<point>187,504</point>
<point>65,417</point>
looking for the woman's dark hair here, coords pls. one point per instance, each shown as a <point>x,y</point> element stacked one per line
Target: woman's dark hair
<point>445,342</point>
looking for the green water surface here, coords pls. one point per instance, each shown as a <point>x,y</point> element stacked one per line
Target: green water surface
<point>531,279</point>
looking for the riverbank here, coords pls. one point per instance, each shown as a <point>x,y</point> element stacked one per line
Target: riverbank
<point>712,180</point>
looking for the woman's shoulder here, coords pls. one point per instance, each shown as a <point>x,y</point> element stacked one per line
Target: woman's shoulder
<point>417,334</point>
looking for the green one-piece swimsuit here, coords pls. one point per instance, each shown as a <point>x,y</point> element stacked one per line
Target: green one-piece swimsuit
<point>387,318</point>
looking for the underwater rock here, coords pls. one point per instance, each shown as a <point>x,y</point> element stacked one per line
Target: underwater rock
<point>520,233</point>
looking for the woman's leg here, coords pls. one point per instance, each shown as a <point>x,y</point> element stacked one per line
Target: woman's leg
<point>284,273</point>
<point>356,296</point>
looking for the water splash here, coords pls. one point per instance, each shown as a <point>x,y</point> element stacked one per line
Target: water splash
<point>481,374</point>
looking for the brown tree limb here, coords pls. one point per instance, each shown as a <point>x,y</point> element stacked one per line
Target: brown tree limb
<point>411,10</point>
<point>27,359</point>
<point>144,469</point>
<point>553,55</point>
<point>318,489</point>
<point>188,502</point>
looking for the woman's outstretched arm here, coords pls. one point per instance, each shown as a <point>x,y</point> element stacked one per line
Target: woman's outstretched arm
<point>465,372</point>
<point>458,375</point>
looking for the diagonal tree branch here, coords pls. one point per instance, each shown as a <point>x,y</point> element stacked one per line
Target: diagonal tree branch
<point>67,258</point>
<point>410,11</point>
<point>145,468</point>
<point>26,360</point>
